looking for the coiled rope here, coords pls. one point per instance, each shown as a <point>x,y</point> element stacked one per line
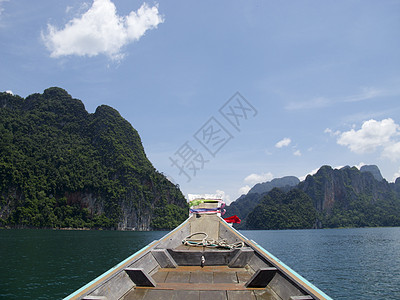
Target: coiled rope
<point>210,243</point>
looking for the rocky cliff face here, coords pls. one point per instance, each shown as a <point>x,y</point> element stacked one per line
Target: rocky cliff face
<point>63,167</point>
<point>265,187</point>
<point>330,188</point>
<point>345,197</point>
<point>131,217</point>
<point>374,170</point>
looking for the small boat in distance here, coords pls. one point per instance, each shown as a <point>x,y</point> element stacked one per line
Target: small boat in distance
<point>203,258</point>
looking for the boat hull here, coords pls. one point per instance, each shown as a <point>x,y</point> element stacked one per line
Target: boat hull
<point>170,268</point>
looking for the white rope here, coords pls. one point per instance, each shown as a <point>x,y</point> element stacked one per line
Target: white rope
<point>211,243</point>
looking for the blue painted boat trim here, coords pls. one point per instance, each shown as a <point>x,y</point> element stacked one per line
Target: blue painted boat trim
<point>294,273</point>
<point>86,286</point>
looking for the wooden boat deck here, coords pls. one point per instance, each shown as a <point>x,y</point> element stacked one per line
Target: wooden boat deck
<point>167,269</point>
<point>195,282</point>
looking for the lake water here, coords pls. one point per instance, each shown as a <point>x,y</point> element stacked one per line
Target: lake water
<point>359,263</point>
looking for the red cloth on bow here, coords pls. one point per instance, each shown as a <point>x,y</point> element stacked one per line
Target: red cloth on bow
<point>233,219</point>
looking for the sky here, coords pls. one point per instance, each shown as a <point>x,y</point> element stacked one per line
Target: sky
<point>224,94</point>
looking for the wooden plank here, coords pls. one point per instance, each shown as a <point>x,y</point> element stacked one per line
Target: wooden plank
<point>115,287</point>
<point>284,287</point>
<point>214,295</point>
<point>147,262</point>
<point>213,257</point>
<point>158,295</point>
<point>190,248</point>
<point>240,295</point>
<point>257,262</point>
<point>135,294</point>
<point>115,282</point>
<point>243,277</point>
<point>219,257</point>
<point>225,277</point>
<point>226,232</point>
<point>304,297</point>
<point>201,277</point>
<point>242,258</point>
<point>186,257</point>
<point>206,223</point>
<point>175,277</point>
<point>159,277</point>
<point>139,277</point>
<point>187,295</point>
<point>175,237</point>
<point>266,294</point>
<point>261,278</point>
<point>199,286</point>
<point>204,269</point>
<point>163,258</point>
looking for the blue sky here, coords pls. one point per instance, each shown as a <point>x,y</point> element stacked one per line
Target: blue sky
<point>318,81</point>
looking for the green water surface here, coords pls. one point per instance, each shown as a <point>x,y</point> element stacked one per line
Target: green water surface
<point>51,264</point>
<point>361,263</point>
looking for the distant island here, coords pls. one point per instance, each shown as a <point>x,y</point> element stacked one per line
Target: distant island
<point>62,167</point>
<point>331,198</point>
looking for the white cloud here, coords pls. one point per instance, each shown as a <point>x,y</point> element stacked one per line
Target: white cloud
<point>267,152</point>
<point>360,165</point>
<point>101,31</point>
<point>9,92</point>
<point>312,172</point>
<point>225,197</point>
<point>331,132</point>
<point>310,104</point>
<point>297,153</point>
<point>302,178</point>
<point>256,178</point>
<point>283,143</point>
<point>244,190</point>
<point>373,134</point>
<point>392,151</point>
<point>1,6</point>
<point>365,94</point>
<point>396,175</point>
<point>252,179</point>
<point>68,9</point>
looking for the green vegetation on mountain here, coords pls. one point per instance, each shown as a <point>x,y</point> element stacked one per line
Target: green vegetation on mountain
<point>280,210</point>
<point>63,167</point>
<point>331,198</point>
<point>348,197</point>
<point>246,203</point>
